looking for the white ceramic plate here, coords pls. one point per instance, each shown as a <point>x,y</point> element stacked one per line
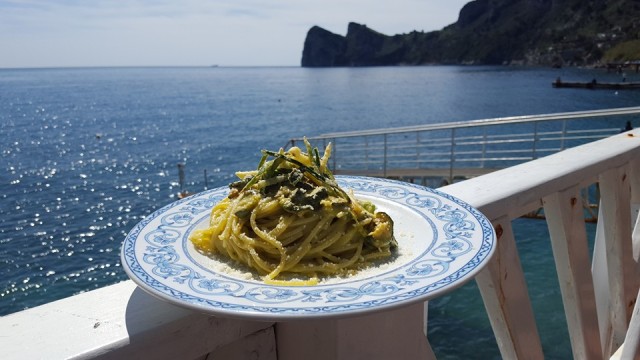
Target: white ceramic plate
<point>443,242</point>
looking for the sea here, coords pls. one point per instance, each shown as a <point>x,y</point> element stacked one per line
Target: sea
<point>86,153</point>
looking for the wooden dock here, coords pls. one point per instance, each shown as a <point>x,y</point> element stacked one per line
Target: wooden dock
<point>595,85</point>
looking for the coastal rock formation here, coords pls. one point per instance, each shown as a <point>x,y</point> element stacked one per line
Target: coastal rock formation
<point>528,32</point>
<point>323,48</point>
<point>361,47</point>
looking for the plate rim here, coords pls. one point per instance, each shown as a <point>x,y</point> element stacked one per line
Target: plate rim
<point>268,312</point>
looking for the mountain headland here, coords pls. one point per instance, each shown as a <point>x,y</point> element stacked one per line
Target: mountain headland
<point>490,32</point>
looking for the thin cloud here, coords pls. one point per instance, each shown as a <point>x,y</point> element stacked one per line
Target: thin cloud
<point>192,32</point>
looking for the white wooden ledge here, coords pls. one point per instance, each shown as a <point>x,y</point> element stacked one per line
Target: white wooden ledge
<point>123,322</point>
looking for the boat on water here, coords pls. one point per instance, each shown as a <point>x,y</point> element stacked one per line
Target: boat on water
<point>594,84</point>
<point>183,193</point>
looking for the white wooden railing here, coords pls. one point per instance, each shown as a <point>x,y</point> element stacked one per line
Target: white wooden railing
<point>599,290</point>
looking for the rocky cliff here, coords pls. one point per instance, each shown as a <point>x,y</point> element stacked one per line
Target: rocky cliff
<point>528,32</point>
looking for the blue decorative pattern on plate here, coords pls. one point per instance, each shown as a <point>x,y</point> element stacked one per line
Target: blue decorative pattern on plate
<point>443,242</point>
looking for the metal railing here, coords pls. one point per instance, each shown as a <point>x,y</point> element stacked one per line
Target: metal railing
<point>466,148</point>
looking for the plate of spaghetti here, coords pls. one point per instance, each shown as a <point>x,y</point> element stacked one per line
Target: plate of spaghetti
<point>290,240</point>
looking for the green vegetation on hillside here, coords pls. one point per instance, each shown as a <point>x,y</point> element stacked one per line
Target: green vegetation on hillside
<point>532,32</point>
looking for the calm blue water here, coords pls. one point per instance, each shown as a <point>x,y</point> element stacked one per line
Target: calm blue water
<point>87,153</point>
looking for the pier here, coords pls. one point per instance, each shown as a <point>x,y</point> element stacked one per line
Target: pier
<point>595,85</point>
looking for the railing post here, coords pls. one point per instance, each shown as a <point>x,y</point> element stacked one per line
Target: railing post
<point>484,146</point>
<point>417,149</point>
<point>601,286</point>
<point>507,300</point>
<point>616,219</point>
<point>366,152</point>
<point>452,155</point>
<point>384,164</point>
<point>334,153</point>
<point>396,334</point>
<point>632,340</point>
<point>535,141</point>
<point>565,218</point>
<point>634,180</point>
<point>564,134</point>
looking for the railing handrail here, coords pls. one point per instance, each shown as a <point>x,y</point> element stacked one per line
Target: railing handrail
<point>479,122</point>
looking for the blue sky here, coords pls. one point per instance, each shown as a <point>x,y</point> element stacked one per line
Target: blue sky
<point>51,33</point>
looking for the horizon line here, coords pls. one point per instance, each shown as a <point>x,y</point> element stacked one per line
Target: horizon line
<point>62,67</point>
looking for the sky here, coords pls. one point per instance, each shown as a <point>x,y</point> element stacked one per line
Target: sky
<point>69,33</point>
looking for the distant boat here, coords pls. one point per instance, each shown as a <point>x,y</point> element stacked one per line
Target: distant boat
<point>593,84</point>
<point>183,193</point>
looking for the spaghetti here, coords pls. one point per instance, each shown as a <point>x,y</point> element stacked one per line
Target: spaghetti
<point>291,222</point>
